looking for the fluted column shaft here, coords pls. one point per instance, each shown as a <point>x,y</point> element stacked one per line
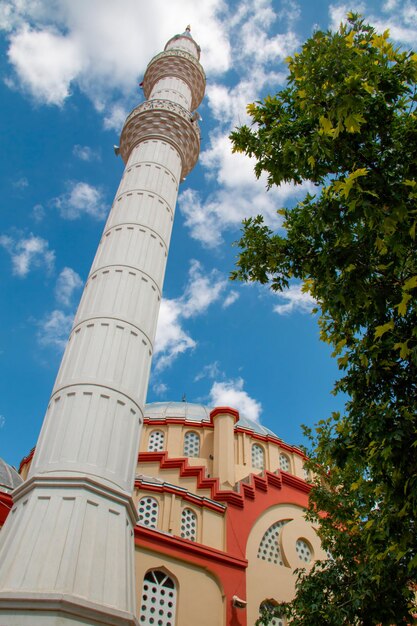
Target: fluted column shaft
<point>67,546</point>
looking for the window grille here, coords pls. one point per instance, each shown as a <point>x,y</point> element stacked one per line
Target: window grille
<point>158,602</point>
<point>191,444</point>
<point>284,462</point>
<point>304,550</point>
<point>258,457</point>
<point>269,548</point>
<point>148,512</point>
<point>189,525</point>
<point>156,441</point>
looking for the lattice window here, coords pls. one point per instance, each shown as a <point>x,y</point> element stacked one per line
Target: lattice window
<point>148,512</point>
<point>269,547</point>
<point>191,444</point>
<point>274,621</point>
<point>156,441</point>
<point>159,598</point>
<point>189,525</point>
<point>304,550</point>
<point>284,462</point>
<point>258,456</point>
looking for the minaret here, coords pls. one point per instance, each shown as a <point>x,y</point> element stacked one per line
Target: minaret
<point>66,550</point>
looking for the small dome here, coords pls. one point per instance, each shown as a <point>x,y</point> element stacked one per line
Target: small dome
<point>9,478</point>
<point>197,413</point>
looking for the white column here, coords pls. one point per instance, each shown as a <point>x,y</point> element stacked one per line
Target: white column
<point>66,550</point>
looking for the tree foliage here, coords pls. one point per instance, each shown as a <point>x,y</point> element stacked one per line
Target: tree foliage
<point>347,122</point>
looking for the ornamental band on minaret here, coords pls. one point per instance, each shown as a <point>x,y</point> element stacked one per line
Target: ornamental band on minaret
<point>66,550</point>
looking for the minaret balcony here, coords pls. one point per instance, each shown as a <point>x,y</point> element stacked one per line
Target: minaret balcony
<point>167,121</point>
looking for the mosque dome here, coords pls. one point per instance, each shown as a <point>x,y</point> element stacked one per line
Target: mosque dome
<point>9,478</point>
<point>199,413</point>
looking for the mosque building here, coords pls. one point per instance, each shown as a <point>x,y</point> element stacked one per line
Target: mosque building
<point>199,523</point>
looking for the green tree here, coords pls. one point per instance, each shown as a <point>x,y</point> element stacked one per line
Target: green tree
<point>346,121</point>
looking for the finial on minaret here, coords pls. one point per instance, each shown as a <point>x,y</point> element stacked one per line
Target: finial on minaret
<point>188,28</point>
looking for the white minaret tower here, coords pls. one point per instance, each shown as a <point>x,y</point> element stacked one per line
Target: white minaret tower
<point>66,550</point>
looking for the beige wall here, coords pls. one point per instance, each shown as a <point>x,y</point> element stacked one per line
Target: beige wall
<point>242,445</point>
<point>199,596</point>
<point>272,451</point>
<point>210,524</point>
<point>174,442</point>
<point>267,580</point>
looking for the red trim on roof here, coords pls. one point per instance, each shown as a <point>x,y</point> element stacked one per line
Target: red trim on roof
<point>26,459</point>
<point>189,497</point>
<point>248,488</point>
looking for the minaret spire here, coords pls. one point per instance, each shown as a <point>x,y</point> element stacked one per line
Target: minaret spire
<point>66,550</point>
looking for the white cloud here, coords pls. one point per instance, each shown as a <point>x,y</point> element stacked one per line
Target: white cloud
<point>290,11</point>
<point>67,282</point>
<point>294,300</point>
<point>115,119</point>
<point>45,63</point>
<point>239,195</point>
<point>160,388</point>
<point>390,5</point>
<point>85,153</point>
<point>230,299</point>
<point>228,103</point>
<point>171,339</point>
<point>212,370</point>
<point>81,198</point>
<point>231,393</point>
<point>54,329</point>
<point>257,46</point>
<point>2,421</point>
<point>38,212</point>
<point>21,183</point>
<point>201,291</point>
<point>101,48</point>
<point>27,253</point>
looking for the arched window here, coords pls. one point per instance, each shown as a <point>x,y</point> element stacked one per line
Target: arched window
<point>269,547</point>
<point>191,444</point>
<point>148,512</point>
<point>258,456</point>
<point>284,462</point>
<point>304,550</point>
<point>269,605</point>
<point>189,525</point>
<point>158,602</point>
<point>156,441</point>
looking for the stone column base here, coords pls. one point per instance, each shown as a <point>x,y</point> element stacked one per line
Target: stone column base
<point>48,609</point>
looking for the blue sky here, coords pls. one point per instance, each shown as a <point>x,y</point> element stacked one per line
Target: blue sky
<point>69,75</point>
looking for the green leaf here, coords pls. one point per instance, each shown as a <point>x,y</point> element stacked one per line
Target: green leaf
<point>384,328</point>
<point>403,348</point>
<point>326,126</point>
<point>353,122</point>
<point>410,283</point>
<point>402,306</point>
